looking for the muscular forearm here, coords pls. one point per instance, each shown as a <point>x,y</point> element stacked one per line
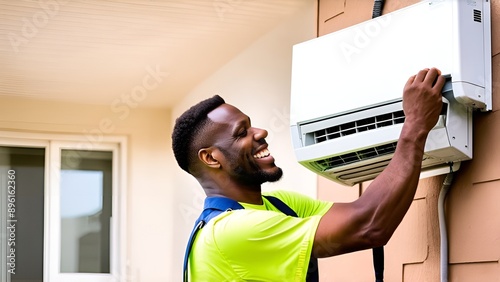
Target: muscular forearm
<point>391,194</point>
<point>372,219</point>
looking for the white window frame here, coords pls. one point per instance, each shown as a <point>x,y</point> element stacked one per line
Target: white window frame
<point>53,144</point>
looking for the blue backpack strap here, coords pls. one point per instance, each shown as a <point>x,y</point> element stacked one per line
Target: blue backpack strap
<point>213,206</point>
<point>312,270</point>
<point>284,208</point>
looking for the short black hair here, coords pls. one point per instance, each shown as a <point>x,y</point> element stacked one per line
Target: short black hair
<point>188,126</point>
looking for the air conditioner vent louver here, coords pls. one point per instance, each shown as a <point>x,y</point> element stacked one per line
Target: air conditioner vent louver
<point>354,157</point>
<point>477,16</point>
<point>357,126</point>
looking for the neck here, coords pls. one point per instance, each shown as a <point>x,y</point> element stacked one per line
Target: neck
<point>240,193</point>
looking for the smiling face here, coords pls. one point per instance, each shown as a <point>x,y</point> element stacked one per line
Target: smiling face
<point>244,153</point>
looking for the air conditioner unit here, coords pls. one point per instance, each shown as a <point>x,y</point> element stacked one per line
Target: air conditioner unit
<point>346,96</point>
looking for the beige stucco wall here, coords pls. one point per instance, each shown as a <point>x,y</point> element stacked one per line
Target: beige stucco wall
<point>472,205</point>
<point>162,200</point>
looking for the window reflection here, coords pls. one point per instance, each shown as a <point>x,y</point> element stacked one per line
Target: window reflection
<point>85,185</point>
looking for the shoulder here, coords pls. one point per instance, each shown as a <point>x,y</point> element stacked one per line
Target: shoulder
<point>285,195</point>
<point>267,239</point>
<point>242,228</point>
<point>235,227</point>
<point>303,205</point>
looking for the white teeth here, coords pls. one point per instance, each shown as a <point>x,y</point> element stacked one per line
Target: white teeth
<point>262,154</point>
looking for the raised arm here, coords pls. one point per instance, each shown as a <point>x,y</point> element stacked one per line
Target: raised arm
<point>371,220</point>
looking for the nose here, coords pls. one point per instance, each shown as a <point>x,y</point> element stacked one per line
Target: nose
<point>259,134</point>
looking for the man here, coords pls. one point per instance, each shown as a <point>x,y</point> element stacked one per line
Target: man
<point>216,143</point>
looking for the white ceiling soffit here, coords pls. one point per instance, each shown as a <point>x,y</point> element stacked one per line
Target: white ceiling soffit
<point>97,51</point>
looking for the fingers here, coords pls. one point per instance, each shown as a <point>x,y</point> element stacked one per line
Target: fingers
<point>422,98</point>
<point>410,81</point>
<point>427,75</point>
<point>439,82</point>
<point>431,77</point>
<point>421,75</point>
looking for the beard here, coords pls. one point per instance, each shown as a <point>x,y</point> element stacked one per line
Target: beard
<point>253,175</point>
<point>257,176</point>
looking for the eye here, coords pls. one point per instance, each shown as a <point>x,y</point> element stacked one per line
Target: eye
<point>242,133</point>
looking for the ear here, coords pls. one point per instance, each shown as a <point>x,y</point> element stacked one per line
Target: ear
<point>206,155</point>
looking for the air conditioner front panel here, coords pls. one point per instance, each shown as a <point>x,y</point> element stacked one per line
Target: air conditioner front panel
<point>349,67</point>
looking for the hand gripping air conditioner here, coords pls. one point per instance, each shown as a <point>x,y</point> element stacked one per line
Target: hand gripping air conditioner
<point>346,97</point>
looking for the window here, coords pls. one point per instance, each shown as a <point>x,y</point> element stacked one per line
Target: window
<point>69,208</point>
<point>22,203</point>
<point>86,213</point>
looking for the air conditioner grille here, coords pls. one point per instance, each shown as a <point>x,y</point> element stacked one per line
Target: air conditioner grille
<point>354,157</point>
<point>357,126</point>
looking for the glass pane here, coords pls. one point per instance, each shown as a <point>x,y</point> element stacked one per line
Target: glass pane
<point>22,213</point>
<point>86,181</point>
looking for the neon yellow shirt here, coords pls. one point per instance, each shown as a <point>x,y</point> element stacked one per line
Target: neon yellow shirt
<point>258,243</point>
